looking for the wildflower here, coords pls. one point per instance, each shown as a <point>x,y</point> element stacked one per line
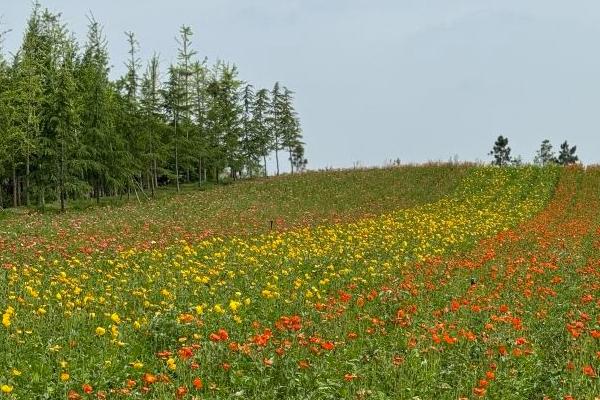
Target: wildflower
<point>115,318</point>
<point>138,365</point>
<point>87,388</point>
<point>327,345</point>
<point>64,376</point>
<point>181,391</point>
<point>149,379</point>
<point>100,331</point>
<point>197,382</point>
<point>6,389</point>
<point>588,370</point>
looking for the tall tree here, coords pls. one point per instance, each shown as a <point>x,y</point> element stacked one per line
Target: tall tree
<point>172,99</point>
<point>199,115</point>
<point>28,96</point>
<point>291,133</point>
<point>152,117</point>
<point>185,71</point>
<point>567,156</point>
<point>62,132</point>
<point>501,151</point>
<point>104,147</point>
<point>277,121</point>
<point>545,155</point>
<point>261,131</point>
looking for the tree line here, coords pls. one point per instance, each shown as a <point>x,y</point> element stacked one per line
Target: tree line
<point>68,131</point>
<point>501,153</point>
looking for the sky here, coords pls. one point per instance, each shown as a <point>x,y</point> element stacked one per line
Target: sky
<point>376,80</point>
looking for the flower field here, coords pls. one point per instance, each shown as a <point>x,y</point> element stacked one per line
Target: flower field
<point>486,287</point>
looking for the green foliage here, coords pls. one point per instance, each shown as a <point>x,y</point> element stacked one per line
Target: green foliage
<point>68,132</point>
<point>567,156</point>
<point>501,152</point>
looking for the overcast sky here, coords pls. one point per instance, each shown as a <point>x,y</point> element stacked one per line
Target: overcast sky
<point>375,80</point>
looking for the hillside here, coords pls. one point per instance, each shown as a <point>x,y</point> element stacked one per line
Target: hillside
<point>441,282</point>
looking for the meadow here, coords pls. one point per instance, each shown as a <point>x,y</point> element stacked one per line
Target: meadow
<point>436,282</point>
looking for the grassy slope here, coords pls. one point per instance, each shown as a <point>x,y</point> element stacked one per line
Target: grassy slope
<point>240,208</point>
<point>394,331</point>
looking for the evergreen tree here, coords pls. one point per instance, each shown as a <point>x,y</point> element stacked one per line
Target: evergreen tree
<point>567,156</point>
<point>185,72</point>
<point>249,150</point>
<point>224,120</point>
<point>172,100</point>
<point>501,152</point>
<point>63,160</point>
<point>277,121</point>
<point>103,146</point>
<point>28,96</point>
<point>153,120</point>
<point>291,133</point>
<point>199,115</point>
<point>545,155</point>
<point>260,129</point>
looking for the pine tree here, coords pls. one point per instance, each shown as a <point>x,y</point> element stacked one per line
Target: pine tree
<point>276,121</point>
<point>28,95</point>
<point>261,131</point>
<point>63,147</point>
<point>153,120</point>
<point>249,151</point>
<point>5,115</point>
<point>501,151</point>
<point>224,120</point>
<point>567,156</point>
<point>291,133</point>
<point>545,155</point>
<point>199,115</point>
<point>172,99</point>
<point>185,71</point>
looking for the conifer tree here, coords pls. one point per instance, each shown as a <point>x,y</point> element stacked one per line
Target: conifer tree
<point>567,156</point>
<point>28,94</point>
<point>249,150</point>
<point>185,72</point>
<point>103,146</point>
<point>172,99</point>
<point>545,155</point>
<point>261,130</point>
<point>501,151</point>
<point>199,115</point>
<point>277,121</point>
<point>291,133</point>
<point>153,120</point>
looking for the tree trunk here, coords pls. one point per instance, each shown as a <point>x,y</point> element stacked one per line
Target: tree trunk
<point>265,164</point>
<point>155,174</point>
<point>200,172</point>
<point>291,161</point>
<point>26,189</point>
<point>277,155</point>
<point>62,177</point>
<point>14,179</point>
<point>176,157</point>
